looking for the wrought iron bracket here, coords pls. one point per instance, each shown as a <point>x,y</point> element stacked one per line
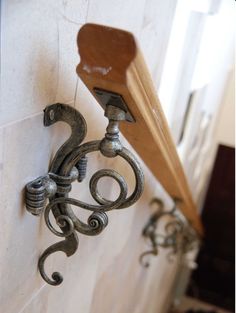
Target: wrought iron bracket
<point>178,235</point>
<point>50,193</point>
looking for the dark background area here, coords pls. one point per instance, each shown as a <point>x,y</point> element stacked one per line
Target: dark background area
<point>214,280</point>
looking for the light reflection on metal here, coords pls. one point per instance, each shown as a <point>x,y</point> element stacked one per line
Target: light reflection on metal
<point>50,193</point>
<point>178,235</point>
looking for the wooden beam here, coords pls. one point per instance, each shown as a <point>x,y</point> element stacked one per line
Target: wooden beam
<point>111,60</point>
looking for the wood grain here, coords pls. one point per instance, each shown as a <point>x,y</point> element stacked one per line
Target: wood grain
<point>111,60</point>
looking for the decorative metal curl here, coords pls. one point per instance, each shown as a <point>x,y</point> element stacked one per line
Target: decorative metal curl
<point>178,236</point>
<point>69,165</point>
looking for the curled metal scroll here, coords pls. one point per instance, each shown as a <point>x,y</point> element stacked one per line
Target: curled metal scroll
<point>69,165</point>
<point>68,246</point>
<point>178,235</point>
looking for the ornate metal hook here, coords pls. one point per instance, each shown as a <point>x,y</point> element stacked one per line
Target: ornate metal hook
<point>69,165</point>
<point>173,231</point>
<point>190,240</point>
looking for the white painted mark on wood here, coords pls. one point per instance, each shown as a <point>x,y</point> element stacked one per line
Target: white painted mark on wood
<point>97,69</point>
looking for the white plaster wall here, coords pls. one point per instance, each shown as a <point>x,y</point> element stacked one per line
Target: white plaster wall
<point>199,58</point>
<point>225,126</point>
<point>39,57</point>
